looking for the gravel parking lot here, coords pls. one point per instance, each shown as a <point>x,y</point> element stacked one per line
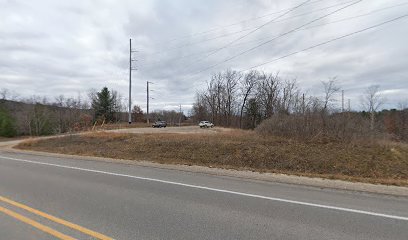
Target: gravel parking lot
<point>178,130</point>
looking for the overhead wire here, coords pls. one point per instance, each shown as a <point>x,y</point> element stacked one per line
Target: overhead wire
<point>328,41</point>
<point>246,29</point>
<point>305,28</point>
<point>279,36</point>
<point>233,24</point>
<point>251,32</point>
<point>323,43</point>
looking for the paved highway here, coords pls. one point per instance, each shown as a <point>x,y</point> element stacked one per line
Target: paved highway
<point>61,198</point>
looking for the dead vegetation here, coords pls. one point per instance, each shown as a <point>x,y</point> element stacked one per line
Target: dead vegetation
<point>364,161</point>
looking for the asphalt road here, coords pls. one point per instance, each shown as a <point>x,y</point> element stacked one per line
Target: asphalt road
<point>119,201</point>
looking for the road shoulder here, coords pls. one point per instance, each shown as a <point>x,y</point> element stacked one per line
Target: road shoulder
<point>250,175</point>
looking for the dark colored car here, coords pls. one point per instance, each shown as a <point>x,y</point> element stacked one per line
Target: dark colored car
<point>159,124</point>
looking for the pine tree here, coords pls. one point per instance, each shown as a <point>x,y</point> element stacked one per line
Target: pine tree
<point>7,127</point>
<point>104,104</point>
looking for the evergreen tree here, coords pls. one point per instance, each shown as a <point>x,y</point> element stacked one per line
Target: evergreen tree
<point>104,104</point>
<point>7,127</point>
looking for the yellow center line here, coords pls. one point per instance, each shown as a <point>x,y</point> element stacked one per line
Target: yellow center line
<point>57,220</point>
<point>36,224</point>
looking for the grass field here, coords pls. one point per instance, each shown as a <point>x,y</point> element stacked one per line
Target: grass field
<point>373,162</point>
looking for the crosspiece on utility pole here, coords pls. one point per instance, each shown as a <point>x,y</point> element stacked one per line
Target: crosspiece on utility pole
<point>130,79</point>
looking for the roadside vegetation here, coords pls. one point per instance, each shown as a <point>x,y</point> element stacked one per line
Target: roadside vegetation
<point>7,124</point>
<point>364,161</point>
<point>39,116</point>
<point>277,106</point>
<point>289,131</point>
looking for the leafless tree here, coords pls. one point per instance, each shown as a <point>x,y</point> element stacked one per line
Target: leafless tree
<point>403,105</point>
<point>268,93</point>
<point>232,78</point>
<point>211,96</point>
<point>330,89</point>
<point>247,86</point>
<point>4,92</point>
<point>288,97</point>
<point>137,114</point>
<point>372,101</point>
<point>200,110</point>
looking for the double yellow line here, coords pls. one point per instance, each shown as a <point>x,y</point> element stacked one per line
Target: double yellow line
<point>44,228</point>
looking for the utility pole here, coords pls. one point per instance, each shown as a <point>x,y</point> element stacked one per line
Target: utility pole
<point>342,100</point>
<point>147,101</point>
<point>180,117</point>
<point>349,106</point>
<point>130,79</point>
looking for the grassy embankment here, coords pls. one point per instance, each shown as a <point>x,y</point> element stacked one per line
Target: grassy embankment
<point>373,162</point>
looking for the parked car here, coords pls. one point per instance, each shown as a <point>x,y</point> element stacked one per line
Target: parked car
<point>205,124</point>
<point>159,124</point>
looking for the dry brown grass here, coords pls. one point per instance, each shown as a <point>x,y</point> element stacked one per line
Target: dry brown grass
<point>112,126</point>
<point>384,162</point>
<point>6,139</point>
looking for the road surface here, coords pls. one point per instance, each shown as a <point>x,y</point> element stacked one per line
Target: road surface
<point>43,197</point>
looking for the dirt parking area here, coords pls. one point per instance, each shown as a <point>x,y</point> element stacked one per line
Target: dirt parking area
<point>177,130</point>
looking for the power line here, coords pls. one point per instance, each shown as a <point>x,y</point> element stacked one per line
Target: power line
<point>279,36</point>
<point>232,24</point>
<point>360,15</point>
<point>252,31</point>
<point>324,43</point>
<point>247,29</point>
<point>328,41</point>
<point>311,27</point>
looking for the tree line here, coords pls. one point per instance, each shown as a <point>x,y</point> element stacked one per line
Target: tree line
<point>266,102</point>
<point>37,116</point>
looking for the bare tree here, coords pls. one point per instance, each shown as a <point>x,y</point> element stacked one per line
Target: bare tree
<point>372,101</point>
<point>403,105</point>
<point>137,114</point>
<point>288,97</point>
<point>59,102</point>
<point>211,96</point>
<point>248,84</point>
<point>268,94</point>
<point>232,79</point>
<point>330,89</point>
<point>200,108</point>
<point>4,92</point>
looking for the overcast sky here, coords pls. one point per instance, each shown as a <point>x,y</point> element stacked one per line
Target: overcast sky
<point>50,47</point>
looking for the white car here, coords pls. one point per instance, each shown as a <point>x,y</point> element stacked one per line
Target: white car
<point>205,124</point>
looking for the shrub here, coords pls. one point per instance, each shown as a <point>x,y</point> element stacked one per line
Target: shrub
<point>316,126</point>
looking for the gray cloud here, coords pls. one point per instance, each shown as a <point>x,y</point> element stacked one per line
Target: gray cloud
<point>52,48</point>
